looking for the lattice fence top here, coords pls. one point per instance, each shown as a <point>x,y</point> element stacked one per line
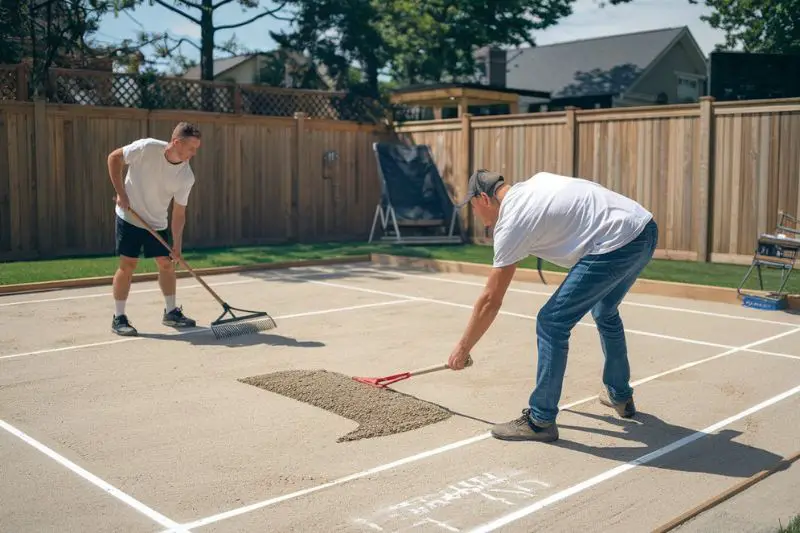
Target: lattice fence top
<point>147,92</point>
<point>8,83</point>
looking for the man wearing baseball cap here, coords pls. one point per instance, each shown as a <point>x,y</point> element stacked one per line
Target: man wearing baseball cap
<point>603,237</point>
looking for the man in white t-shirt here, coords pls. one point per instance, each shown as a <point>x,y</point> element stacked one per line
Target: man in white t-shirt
<point>158,173</point>
<point>603,238</point>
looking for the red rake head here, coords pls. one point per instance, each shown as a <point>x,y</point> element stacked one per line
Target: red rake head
<point>384,381</point>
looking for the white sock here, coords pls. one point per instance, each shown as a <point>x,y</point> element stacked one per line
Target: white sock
<point>170,300</point>
<point>120,307</point>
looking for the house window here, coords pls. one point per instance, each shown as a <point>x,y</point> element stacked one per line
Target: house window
<point>689,88</point>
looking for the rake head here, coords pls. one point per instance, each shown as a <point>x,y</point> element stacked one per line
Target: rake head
<point>384,381</point>
<point>250,322</point>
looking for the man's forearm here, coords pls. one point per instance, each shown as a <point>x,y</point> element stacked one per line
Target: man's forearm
<point>483,314</point>
<point>178,223</point>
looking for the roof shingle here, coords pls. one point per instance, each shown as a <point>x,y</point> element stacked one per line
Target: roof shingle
<point>587,66</point>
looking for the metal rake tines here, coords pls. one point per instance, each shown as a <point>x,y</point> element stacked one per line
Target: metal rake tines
<point>252,322</point>
<point>246,327</point>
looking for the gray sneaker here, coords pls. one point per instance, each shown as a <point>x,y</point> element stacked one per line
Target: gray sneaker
<point>624,409</point>
<point>122,326</point>
<point>177,319</point>
<point>523,428</point>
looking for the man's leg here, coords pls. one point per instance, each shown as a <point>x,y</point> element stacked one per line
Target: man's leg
<point>128,246</point>
<point>586,284</point>
<point>590,281</point>
<point>167,281</point>
<point>617,392</point>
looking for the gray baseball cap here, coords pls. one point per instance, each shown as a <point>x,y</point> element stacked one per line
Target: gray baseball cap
<point>484,181</point>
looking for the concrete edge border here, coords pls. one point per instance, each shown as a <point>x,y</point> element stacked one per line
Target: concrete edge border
<point>529,275</point>
<point>21,288</point>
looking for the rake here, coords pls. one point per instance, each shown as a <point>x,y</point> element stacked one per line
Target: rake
<point>383,382</point>
<point>249,322</point>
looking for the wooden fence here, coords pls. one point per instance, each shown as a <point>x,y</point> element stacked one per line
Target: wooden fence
<point>258,179</point>
<point>714,174</point>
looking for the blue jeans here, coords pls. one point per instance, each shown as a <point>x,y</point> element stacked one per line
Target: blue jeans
<point>597,283</point>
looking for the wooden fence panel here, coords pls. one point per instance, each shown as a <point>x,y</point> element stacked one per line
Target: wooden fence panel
<point>243,172</point>
<point>253,175</point>
<point>757,164</point>
<point>339,186</point>
<point>518,148</point>
<point>654,158</point>
<point>18,222</point>
<point>79,213</point>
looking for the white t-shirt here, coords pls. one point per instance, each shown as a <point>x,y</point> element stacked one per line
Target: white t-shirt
<point>562,219</point>
<point>152,182</point>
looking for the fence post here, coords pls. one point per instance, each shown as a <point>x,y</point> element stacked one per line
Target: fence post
<point>22,82</point>
<point>571,142</point>
<point>704,203</point>
<point>466,169</point>
<point>298,173</point>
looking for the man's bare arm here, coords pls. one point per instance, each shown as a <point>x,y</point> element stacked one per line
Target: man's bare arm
<point>116,162</point>
<point>178,223</point>
<point>484,312</point>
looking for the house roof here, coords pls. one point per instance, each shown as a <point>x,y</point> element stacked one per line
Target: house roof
<point>600,65</point>
<point>220,66</point>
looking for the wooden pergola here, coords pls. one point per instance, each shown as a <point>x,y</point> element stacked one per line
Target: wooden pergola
<point>461,95</point>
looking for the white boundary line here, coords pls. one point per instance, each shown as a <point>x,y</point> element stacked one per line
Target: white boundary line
<point>91,478</point>
<point>529,317</point>
<point>644,459</point>
<point>446,448</point>
<point>203,328</point>
<point>624,302</point>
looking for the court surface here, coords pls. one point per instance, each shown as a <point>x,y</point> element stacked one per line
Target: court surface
<point>155,433</point>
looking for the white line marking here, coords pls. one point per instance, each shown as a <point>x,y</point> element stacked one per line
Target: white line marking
<point>446,448</point>
<point>644,459</point>
<point>91,478</point>
<point>341,480</point>
<point>632,304</point>
<point>138,291</point>
<point>529,317</point>
<point>203,328</point>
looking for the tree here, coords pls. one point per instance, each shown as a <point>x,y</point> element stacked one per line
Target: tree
<point>339,34</point>
<point>767,26</point>
<point>415,40</point>
<point>46,33</point>
<point>201,12</point>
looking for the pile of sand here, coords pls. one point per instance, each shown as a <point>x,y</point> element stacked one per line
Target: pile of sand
<point>378,411</point>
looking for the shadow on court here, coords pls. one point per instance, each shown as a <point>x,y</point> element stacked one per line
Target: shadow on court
<point>206,338</point>
<point>714,453</point>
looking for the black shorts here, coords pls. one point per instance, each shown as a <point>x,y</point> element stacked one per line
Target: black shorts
<point>133,240</point>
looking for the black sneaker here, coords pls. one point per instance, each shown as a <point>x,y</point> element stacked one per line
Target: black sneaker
<point>177,319</point>
<point>523,428</point>
<point>121,326</point>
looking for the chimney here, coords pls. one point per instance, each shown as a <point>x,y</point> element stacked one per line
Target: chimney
<point>496,67</point>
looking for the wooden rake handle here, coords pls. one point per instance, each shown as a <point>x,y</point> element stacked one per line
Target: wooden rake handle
<point>435,368</point>
<point>180,259</point>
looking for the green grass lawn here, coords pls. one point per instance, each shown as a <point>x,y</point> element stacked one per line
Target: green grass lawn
<point>792,527</point>
<point>723,275</point>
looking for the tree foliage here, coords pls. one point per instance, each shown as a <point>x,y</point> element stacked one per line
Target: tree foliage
<point>202,13</point>
<point>771,26</point>
<point>48,33</point>
<point>414,41</point>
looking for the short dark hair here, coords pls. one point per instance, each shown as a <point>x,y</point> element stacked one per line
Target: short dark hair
<point>186,129</point>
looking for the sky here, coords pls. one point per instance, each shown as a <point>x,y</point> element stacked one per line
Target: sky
<point>588,20</point>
